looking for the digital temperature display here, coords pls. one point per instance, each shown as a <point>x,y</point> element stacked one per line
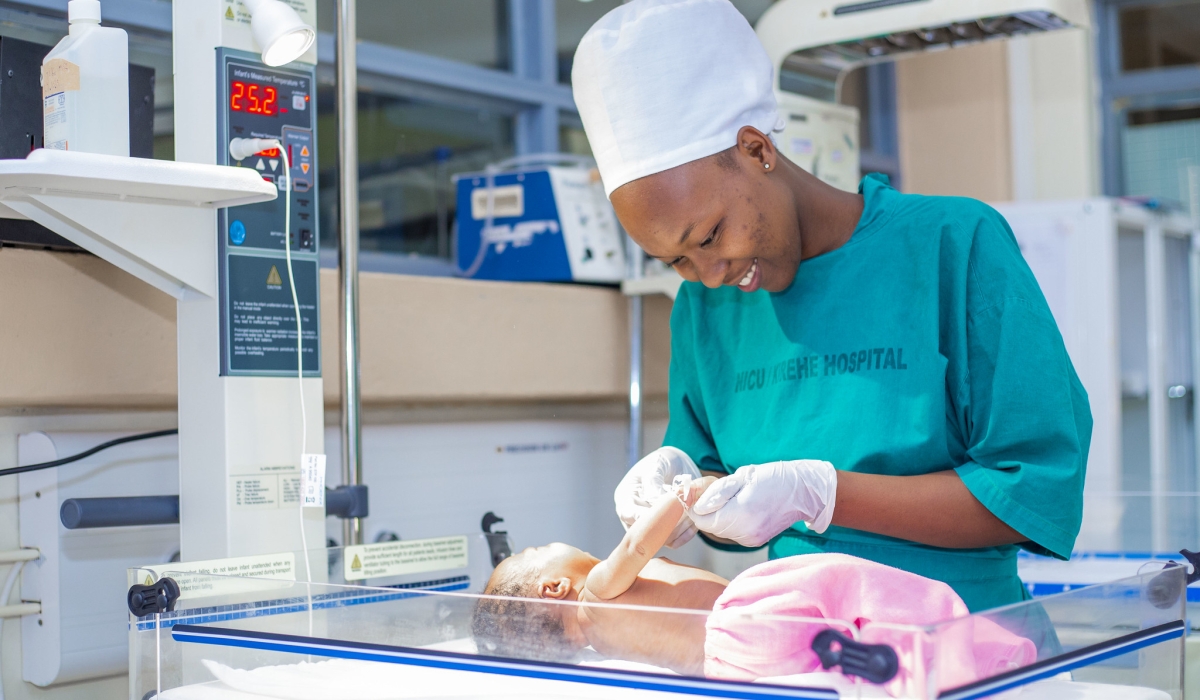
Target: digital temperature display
<point>253,98</point>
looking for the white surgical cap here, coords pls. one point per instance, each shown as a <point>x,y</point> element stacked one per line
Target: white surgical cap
<point>660,83</point>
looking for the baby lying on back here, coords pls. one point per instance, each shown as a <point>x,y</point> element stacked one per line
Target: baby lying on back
<point>724,638</point>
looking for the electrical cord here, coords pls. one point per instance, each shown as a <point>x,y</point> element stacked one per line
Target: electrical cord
<point>287,249</point>
<point>87,453</point>
<point>240,149</point>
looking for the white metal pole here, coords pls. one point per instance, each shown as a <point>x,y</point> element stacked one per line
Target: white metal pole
<point>636,269</point>
<point>635,379</point>
<point>1194,312</point>
<point>1193,197</point>
<point>347,115</point>
<point>1156,321</point>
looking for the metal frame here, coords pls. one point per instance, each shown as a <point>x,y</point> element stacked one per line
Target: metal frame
<point>347,121</point>
<point>1120,91</point>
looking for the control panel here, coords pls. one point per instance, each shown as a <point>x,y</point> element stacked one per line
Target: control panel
<point>258,324</point>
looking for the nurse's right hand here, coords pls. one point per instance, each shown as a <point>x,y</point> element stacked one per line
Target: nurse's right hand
<point>759,501</point>
<point>647,482</point>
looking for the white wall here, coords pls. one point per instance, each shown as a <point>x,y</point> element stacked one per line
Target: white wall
<point>1053,114</point>
<point>549,480</point>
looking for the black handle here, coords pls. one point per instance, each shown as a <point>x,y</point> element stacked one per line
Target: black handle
<point>1164,590</point>
<point>121,511</point>
<point>347,502</point>
<point>497,541</point>
<point>1192,558</point>
<point>876,663</point>
<point>158,597</point>
<point>490,519</point>
<point>131,511</point>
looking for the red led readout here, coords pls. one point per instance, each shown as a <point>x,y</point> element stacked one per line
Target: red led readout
<point>253,98</point>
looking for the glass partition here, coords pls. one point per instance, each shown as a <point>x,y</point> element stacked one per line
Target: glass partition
<point>428,636</point>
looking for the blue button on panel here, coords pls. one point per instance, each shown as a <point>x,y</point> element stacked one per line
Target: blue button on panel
<point>237,232</point>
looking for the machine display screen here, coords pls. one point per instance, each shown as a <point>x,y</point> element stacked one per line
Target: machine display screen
<point>253,98</point>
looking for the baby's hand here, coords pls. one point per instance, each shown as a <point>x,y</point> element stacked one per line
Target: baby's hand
<point>690,491</point>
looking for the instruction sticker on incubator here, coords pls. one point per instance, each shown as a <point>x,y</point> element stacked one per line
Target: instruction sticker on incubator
<point>399,558</point>
<point>199,579</point>
<point>255,492</point>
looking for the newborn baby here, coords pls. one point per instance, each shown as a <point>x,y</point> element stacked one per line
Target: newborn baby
<point>730,639</point>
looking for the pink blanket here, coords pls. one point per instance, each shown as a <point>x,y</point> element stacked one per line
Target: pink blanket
<point>743,644</point>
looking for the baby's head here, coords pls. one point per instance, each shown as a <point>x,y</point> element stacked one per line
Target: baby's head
<point>533,630</point>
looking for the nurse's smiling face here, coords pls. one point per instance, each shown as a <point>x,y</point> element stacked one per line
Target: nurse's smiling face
<point>728,219</point>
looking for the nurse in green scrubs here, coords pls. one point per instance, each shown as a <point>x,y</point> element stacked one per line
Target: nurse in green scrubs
<point>877,373</point>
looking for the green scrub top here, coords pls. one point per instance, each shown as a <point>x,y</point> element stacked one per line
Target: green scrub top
<point>922,344</point>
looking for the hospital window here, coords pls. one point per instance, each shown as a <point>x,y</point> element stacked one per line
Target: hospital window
<point>408,152</point>
<point>571,137</point>
<point>468,31</point>
<point>1159,35</point>
<point>572,19</point>
<point>1148,52</point>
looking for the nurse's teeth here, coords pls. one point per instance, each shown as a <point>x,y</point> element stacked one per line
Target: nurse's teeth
<point>749,275</point>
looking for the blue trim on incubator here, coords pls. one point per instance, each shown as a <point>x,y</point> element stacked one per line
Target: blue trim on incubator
<point>455,661</point>
<point>1085,656</point>
<point>322,601</point>
<point>1040,590</point>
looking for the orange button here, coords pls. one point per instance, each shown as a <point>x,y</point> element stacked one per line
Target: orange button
<point>304,152</point>
<point>304,167</point>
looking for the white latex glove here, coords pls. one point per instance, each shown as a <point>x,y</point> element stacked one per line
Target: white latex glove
<point>759,501</point>
<point>648,481</point>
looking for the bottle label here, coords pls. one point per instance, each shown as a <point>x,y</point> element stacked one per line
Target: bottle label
<point>60,88</point>
<point>56,122</point>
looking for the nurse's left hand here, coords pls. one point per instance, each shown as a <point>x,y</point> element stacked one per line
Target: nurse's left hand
<point>759,501</point>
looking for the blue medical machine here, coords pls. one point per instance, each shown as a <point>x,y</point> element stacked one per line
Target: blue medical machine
<point>532,219</point>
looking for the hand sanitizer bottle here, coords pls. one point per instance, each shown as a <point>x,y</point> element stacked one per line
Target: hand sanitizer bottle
<point>85,86</point>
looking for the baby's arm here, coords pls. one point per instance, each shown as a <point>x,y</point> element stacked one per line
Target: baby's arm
<point>613,576</point>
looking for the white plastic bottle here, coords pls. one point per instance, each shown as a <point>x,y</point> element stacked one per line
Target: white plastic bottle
<point>85,85</point>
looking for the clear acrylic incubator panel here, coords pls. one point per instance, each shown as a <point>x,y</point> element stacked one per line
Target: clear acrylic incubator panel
<point>429,635</point>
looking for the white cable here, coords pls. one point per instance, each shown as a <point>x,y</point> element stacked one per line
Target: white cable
<point>4,595</point>
<point>241,149</point>
<point>287,249</point>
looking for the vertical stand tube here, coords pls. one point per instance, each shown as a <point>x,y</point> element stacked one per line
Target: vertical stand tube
<point>1193,182</point>
<point>347,115</point>
<point>1156,322</point>
<point>635,379</point>
<point>635,270</point>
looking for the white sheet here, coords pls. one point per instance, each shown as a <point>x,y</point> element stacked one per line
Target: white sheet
<point>344,679</point>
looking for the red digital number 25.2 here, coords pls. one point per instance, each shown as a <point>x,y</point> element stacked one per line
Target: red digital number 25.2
<point>241,93</point>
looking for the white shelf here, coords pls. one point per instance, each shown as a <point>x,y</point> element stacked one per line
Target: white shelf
<point>666,283</point>
<point>154,219</point>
